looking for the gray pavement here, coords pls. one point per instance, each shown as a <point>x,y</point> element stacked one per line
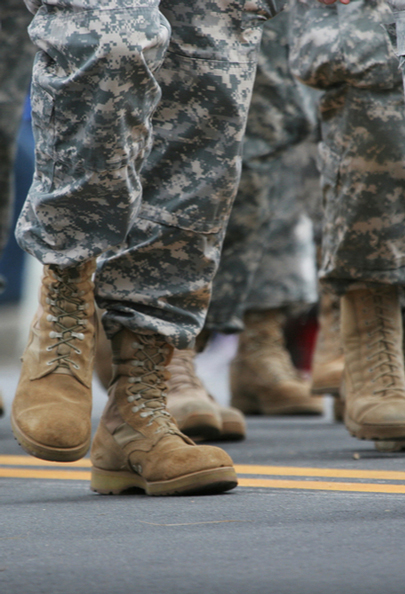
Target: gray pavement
<point>56,537</point>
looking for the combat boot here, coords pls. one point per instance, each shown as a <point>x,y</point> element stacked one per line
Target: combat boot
<point>374,378</point>
<point>138,445</point>
<point>263,378</point>
<point>51,411</point>
<point>328,360</point>
<point>197,413</point>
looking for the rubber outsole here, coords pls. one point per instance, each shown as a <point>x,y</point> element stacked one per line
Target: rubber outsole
<point>38,450</point>
<point>217,480</point>
<point>243,402</point>
<point>375,432</point>
<point>322,390</point>
<point>201,426</point>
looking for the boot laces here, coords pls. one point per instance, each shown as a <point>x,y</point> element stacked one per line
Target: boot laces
<point>389,363</point>
<point>148,387</point>
<point>66,303</point>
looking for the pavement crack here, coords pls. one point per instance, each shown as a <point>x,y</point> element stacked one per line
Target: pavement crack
<point>195,523</point>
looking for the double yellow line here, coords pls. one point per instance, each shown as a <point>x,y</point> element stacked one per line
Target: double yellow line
<point>383,479</point>
<point>249,475</point>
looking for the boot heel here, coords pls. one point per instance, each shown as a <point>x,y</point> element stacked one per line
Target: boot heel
<point>108,482</point>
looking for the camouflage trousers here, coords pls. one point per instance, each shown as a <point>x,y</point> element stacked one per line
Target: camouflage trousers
<point>268,258</point>
<point>16,56</point>
<point>346,51</point>
<point>150,197</point>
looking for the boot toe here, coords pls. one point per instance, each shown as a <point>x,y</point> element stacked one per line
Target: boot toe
<point>53,428</point>
<point>183,461</point>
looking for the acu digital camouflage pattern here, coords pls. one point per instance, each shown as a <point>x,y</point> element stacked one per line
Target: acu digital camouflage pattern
<point>16,56</point>
<point>264,263</point>
<point>362,153</point>
<point>96,85</point>
<point>398,32</point>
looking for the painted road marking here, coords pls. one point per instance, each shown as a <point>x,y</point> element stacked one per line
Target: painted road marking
<point>322,486</point>
<point>27,467</point>
<point>30,461</point>
<point>386,475</point>
<point>393,475</point>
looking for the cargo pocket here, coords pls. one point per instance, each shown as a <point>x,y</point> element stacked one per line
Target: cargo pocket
<point>316,57</point>
<point>369,56</point>
<point>94,91</point>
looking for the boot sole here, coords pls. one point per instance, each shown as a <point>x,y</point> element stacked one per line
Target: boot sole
<point>232,432</point>
<point>218,480</point>
<point>200,426</point>
<point>283,411</point>
<point>321,391</point>
<point>375,432</point>
<point>39,450</point>
<point>244,405</point>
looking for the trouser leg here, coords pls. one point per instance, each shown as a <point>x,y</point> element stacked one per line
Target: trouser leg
<point>161,279</point>
<point>279,118</point>
<point>93,95</point>
<point>363,180</point>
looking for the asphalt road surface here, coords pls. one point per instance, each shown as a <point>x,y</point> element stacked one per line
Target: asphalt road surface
<point>316,512</point>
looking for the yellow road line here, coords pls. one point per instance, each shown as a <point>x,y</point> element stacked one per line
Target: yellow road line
<point>244,469</point>
<point>321,472</point>
<point>28,473</point>
<point>322,486</point>
<point>30,461</point>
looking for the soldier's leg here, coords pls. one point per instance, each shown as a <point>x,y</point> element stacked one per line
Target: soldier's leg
<point>268,197</point>
<point>263,378</point>
<point>189,184</point>
<point>362,158</point>
<point>93,94</point>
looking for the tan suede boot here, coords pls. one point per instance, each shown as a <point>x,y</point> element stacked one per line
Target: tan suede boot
<point>196,412</point>
<point>374,379</point>
<point>328,361</point>
<point>338,410</point>
<point>263,378</point>
<point>51,411</point>
<point>138,445</point>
